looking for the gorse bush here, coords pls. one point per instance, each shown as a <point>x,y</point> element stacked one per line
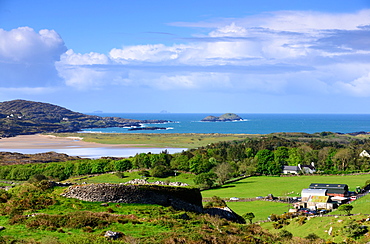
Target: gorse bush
<point>215,202</point>
<point>26,197</point>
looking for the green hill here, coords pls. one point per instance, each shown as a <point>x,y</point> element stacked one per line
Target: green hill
<point>19,117</point>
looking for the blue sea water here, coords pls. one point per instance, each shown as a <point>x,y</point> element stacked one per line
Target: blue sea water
<point>252,123</point>
<point>191,123</point>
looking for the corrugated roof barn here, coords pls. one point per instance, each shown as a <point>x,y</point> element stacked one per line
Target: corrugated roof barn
<point>333,189</point>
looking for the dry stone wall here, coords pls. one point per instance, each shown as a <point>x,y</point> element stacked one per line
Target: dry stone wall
<point>188,199</point>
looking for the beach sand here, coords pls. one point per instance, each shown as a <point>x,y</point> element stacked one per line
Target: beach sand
<point>53,142</point>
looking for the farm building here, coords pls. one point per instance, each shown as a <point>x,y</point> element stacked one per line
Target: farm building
<point>307,193</point>
<point>301,168</point>
<point>338,190</point>
<point>319,202</point>
<point>291,169</point>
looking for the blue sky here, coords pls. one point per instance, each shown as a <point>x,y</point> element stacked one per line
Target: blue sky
<point>188,56</point>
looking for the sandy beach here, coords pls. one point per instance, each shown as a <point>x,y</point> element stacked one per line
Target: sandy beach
<point>53,142</point>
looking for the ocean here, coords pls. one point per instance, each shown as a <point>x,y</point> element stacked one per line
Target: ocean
<point>191,123</point>
<point>251,124</point>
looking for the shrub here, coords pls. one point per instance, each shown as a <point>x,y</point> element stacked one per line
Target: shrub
<point>161,171</point>
<point>205,180</point>
<point>301,220</point>
<point>277,225</point>
<point>87,229</point>
<point>144,173</point>
<point>347,208</point>
<point>312,237</point>
<point>354,230</point>
<point>4,196</point>
<point>119,174</point>
<point>215,202</point>
<point>248,216</point>
<point>36,178</point>
<point>284,234</point>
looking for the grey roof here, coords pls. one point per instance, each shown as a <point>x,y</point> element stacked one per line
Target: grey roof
<point>295,168</point>
<point>308,166</point>
<point>332,188</point>
<point>329,186</point>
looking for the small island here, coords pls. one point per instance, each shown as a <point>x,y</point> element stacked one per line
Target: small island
<point>223,118</point>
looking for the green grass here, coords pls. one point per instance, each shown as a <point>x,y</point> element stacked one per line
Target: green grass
<point>187,140</point>
<point>360,206</point>
<point>319,226</point>
<point>193,140</point>
<point>281,186</point>
<point>260,209</point>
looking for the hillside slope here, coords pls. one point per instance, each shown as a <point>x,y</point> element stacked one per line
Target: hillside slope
<point>20,117</point>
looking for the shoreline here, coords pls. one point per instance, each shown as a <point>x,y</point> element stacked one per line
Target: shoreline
<point>39,141</point>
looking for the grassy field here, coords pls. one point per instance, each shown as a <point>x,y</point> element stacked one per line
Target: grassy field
<point>320,226</point>
<point>191,140</point>
<point>260,209</point>
<point>194,140</point>
<point>361,205</point>
<point>281,186</point>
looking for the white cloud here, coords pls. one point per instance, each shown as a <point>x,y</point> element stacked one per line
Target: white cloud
<point>147,53</point>
<point>72,58</point>
<point>358,87</point>
<point>23,45</point>
<point>27,58</point>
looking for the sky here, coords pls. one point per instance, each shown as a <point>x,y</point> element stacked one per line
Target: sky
<point>190,56</point>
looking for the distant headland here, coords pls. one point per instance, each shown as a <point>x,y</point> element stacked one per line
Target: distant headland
<point>223,118</point>
<point>21,117</point>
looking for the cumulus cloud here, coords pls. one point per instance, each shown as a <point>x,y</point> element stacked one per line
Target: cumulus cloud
<point>24,45</point>
<point>27,57</point>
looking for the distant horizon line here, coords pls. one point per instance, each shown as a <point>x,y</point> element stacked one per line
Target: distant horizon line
<point>211,113</point>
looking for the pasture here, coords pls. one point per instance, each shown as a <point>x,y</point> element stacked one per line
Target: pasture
<point>186,140</point>
<point>281,186</point>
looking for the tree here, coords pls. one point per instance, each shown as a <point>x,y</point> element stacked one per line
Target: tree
<point>342,158</point>
<point>223,171</point>
<point>122,165</point>
<point>281,155</point>
<point>347,208</point>
<point>264,158</point>
<point>249,216</point>
<point>206,180</point>
<point>161,171</point>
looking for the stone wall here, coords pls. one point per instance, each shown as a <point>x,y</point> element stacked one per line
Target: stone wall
<point>180,198</point>
<point>188,199</point>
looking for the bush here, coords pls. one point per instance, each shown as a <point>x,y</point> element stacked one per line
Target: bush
<point>301,220</point>
<point>144,173</point>
<point>347,208</point>
<point>312,237</point>
<point>205,180</point>
<point>277,225</point>
<point>122,165</point>
<point>215,202</point>
<point>161,171</point>
<point>37,178</point>
<point>248,216</point>
<point>284,234</point>
<point>354,230</point>
<point>119,174</point>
